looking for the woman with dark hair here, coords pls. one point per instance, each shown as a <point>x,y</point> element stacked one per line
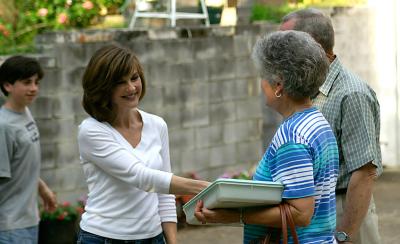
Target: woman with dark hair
<point>125,157</point>
<point>303,154</point>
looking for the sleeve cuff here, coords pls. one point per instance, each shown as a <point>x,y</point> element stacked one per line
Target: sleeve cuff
<point>5,174</point>
<point>169,218</point>
<point>164,182</point>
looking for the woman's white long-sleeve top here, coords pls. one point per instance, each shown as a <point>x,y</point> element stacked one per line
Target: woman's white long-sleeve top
<point>128,187</point>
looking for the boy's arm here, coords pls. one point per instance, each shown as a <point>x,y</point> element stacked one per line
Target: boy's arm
<point>48,196</point>
<point>5,152</point>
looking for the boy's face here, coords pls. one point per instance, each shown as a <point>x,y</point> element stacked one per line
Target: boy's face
<point>24,91</point>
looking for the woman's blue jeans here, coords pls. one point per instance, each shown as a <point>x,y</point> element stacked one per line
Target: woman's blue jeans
<point>85,237</point>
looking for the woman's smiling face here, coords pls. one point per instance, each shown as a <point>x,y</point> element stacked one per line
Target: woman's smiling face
<point>126,93</point>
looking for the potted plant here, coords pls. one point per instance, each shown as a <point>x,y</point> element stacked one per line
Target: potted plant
<point>60,226</point>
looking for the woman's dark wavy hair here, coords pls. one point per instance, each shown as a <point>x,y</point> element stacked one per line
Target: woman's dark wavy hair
<point>18,68</point>
<point>109,65</point>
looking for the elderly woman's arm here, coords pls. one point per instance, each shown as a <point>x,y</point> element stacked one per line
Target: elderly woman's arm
<point>302,210</point>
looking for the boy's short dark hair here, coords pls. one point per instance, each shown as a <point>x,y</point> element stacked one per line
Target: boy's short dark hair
<point>18,68</point>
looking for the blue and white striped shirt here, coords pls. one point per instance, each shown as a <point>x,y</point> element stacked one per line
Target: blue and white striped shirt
<point>303,156</point>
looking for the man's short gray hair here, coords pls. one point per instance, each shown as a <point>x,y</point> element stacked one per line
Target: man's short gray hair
<point>315,23</point>
<point>293,58</point>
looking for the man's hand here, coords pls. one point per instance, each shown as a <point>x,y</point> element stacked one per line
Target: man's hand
<point>358,198</point>
<point>48,197</point>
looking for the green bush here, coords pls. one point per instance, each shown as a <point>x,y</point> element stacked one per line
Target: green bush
<point>332,3</point>
<point>274,13</point>
<point>34,16</point>
<point>270,13</point>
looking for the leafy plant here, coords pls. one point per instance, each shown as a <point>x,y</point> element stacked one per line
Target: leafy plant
<point>273,13</point>
<point>64,212</point>
<point>24,19</point>
<point>332,3</point>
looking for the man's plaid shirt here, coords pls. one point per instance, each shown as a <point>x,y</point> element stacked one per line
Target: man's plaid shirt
<point>352,109</point>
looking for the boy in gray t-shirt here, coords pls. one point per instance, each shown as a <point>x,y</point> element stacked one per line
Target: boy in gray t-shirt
<point>20,153</point>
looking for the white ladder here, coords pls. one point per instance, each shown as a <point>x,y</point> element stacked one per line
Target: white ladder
<point>171,14</point>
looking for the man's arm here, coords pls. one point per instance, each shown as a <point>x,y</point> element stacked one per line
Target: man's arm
<point>360,113</point>
<point>358,198</point>
<point>48,197</point>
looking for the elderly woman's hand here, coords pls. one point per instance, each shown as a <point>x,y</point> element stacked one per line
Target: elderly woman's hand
<point>224,216</point>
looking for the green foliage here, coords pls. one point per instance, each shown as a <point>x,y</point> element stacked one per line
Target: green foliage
<point>271,13</point>
<point>332,3</point>
<point>274,13</point>
<point>35,16</point>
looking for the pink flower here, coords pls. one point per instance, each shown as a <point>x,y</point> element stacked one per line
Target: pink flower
<point>4,30</point>
<point>66,204</point>
<point>226,175</point>
<point>6,33</point>
<point>42,12</point>
<point>82,200</point>
<point>87,5</point>
<point>62,18</point>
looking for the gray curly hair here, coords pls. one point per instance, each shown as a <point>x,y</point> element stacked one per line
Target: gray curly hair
<point>293,58</point>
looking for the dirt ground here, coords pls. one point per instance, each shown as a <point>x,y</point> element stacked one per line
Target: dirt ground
<point>387,198</point>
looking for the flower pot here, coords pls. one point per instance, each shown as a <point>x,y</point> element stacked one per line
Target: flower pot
<point>57,232</point>
<point>214,14</point>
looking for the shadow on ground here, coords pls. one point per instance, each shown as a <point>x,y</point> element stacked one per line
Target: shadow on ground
<point>387,198</point>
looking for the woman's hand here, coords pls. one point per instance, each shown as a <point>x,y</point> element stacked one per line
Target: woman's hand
<point>224,216</point>
<point>185,186</point>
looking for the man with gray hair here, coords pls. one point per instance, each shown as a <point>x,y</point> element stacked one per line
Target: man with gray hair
<point>352,109</point>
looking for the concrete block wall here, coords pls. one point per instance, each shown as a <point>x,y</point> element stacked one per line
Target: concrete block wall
<point>200,80</point>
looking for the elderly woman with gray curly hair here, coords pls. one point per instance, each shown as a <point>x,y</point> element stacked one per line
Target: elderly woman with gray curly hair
<point>303,154</point>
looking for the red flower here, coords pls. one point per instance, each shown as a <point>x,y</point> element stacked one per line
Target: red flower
<point>61,217</point>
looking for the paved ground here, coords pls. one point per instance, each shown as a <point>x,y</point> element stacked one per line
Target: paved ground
<point>387,197</point>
